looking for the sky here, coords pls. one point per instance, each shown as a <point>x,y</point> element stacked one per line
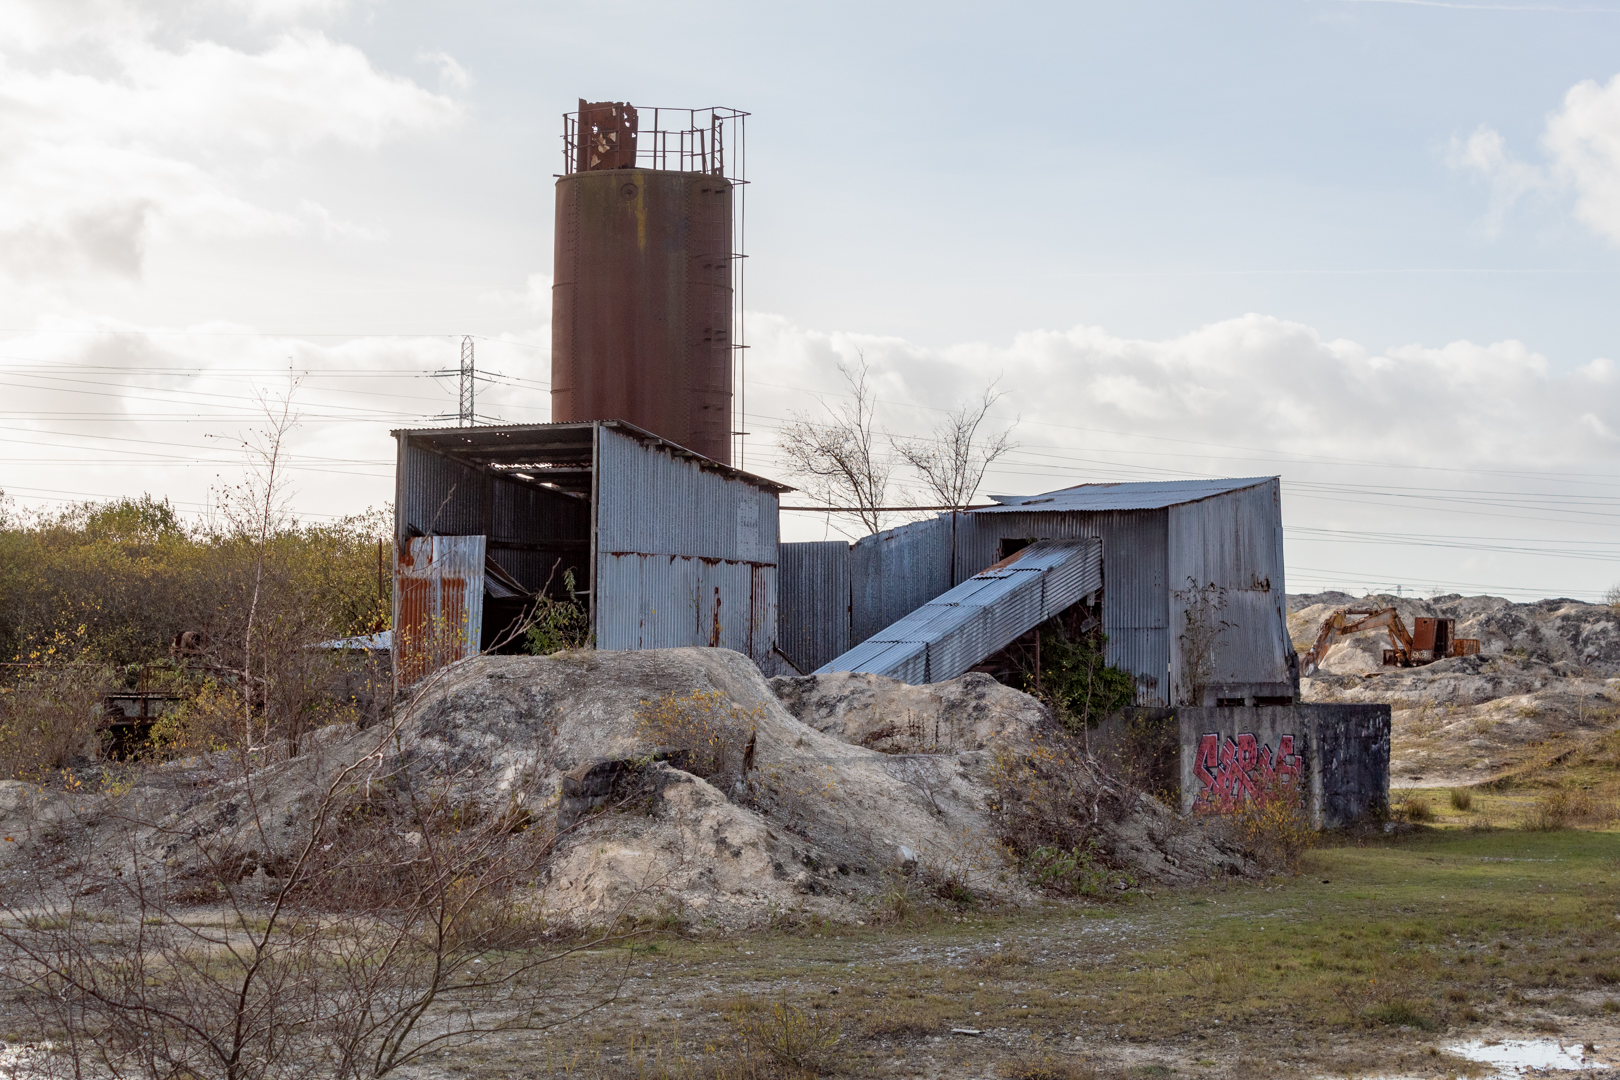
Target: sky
<point>1371,246</point>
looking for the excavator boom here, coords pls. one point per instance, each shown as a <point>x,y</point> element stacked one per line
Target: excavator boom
<point>1402,652</point>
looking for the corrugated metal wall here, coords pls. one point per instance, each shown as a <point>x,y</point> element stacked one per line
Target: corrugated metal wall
<point>1135,555</point>
<point>1233,542</point>
<point>438,604</point>
<point>812,602</point>
<point>685,555</point>
<point>434,495</point>
<point>896,572</point>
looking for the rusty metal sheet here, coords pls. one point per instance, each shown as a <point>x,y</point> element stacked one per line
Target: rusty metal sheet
<point>1423,634</point>
<point>438,604</point>
<point>606,138</point>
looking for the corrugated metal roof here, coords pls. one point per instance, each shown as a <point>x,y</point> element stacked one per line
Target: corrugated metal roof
<point>951,633</point>
<point>1140,495</point>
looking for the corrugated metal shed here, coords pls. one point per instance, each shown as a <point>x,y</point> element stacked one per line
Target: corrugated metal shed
<point>1164,544</point>
<point>1161,542</point>
<point>685,555</point>
<point>668,547</point>
<point>948,635</point>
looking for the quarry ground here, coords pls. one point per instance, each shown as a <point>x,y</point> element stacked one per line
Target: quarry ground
<point>1372,962</point>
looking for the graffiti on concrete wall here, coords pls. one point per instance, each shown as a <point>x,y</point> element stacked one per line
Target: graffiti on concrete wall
<point>1242,769</point>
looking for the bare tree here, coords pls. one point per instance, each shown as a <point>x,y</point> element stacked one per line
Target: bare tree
<point>953,461</point>
<point>841,459</point>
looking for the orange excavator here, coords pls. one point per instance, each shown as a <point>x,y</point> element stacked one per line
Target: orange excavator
<point>1428,641</point>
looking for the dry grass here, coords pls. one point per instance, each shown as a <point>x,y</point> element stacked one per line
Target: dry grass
<point>1416,809</point>
<point>1360,963</point>
<point>1563,808</point>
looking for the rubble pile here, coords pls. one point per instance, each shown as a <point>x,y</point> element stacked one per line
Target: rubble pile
<point>1547,671</point>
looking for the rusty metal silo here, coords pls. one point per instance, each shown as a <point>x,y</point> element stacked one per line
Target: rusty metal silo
<point>643,294</point>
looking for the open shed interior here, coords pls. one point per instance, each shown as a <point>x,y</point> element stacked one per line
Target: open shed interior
<point>527,490</point>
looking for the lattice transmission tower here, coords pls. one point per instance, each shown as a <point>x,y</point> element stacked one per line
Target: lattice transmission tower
<point>469,415</point>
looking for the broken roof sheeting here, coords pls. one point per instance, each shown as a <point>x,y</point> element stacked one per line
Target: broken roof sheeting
<point>949,634</point>
<point>1137,495</point>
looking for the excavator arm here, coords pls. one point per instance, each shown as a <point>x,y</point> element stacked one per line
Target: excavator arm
<point>1340,623</point>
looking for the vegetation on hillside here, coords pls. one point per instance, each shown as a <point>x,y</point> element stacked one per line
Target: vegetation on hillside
<point>128,595</point>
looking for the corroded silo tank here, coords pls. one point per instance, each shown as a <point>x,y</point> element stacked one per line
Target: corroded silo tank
<point>641,326</point>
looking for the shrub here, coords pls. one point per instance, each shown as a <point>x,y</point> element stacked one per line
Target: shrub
<point>1417,809</point>
<point>205,723</point>
<point>1047,803</point>
<point>790,1035</point>
<point>1080,871</point>
<point>558,624</point>
<point>1462,799</point>
<point>49,719</point>
<point>1274,826</point>
<point>707,734</point>
<point>1076,681</point>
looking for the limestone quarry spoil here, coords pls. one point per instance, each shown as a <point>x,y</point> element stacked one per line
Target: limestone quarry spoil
<point>850,786</point>
<point>1548,674</point>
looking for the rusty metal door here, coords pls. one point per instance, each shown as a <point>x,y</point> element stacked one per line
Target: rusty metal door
<point>438,604</point>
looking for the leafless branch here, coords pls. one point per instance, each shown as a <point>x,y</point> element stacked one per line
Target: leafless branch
<point>841,459</point>
<point>952,463</point>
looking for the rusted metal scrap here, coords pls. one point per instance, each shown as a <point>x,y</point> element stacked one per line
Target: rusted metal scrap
<point>1431,638</point>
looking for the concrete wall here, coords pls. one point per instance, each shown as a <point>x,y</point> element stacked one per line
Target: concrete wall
<point>1337,754</point>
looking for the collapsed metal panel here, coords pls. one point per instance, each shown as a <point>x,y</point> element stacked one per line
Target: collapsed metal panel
<point>438,604</point>
<point>897,571</point>
<point>685,552</point>
<point>951,633</point>
<point>812,602</point>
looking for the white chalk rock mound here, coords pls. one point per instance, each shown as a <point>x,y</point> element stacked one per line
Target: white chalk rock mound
<point>973,712</point>
<point>814,821</point>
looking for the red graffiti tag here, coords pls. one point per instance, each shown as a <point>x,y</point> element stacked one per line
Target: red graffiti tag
<point>1241,770</point>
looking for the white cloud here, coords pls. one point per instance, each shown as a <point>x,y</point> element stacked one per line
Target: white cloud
<point>104,148</point>
<point>1584,141</point>
<point>1257,382</point>
<point>1485,152</point>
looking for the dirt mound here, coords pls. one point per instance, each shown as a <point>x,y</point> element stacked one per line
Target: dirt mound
<point>973,712</point>
<point>724,805</point>
<point>1546,673</point>
<point>810,820</point>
